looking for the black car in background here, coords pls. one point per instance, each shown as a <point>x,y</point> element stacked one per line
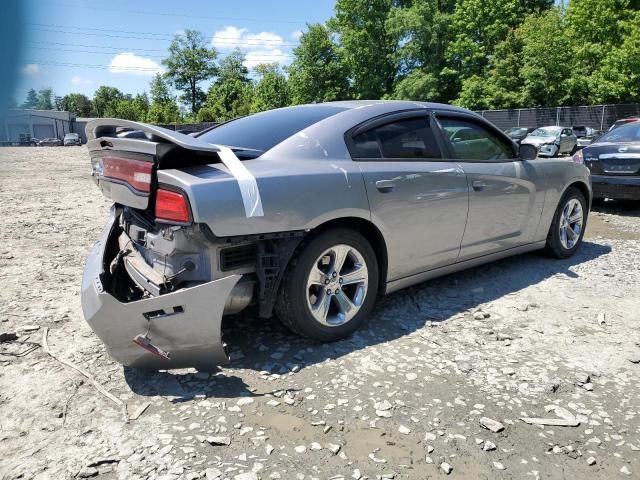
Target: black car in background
<point>614,162</point>
<point>518,133</point>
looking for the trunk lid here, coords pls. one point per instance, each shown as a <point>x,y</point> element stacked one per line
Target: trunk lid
<point>613,158</point>
<point>125,158</point>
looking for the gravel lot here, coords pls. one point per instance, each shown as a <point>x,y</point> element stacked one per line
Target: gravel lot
<point>527,337</point>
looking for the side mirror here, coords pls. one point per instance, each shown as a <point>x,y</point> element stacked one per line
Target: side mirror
<point>528,152</point>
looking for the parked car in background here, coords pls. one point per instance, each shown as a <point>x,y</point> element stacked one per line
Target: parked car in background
<point>552,141</point>
<point>50,142</point>
<point>309,211</point>
<point>591,136</point>
<point>517,134</point>
<point>614,162</point>
<point>34,142</point>
<point>72,139</point>
<point>623,121</point>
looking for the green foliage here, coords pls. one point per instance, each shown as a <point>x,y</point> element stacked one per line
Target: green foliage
<point>366,45</point>
<point>231,94</point>
<point>45,99</point>
<point>317,73</point>
<point>31,101</point>
<point>78,104</point>
<point>163,107</point>
<point>105,100</point>
<point>271,91</point>
<point>189,63</point>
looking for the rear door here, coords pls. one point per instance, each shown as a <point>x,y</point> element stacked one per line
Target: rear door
<point>416,197</point>
<point>505,198</point>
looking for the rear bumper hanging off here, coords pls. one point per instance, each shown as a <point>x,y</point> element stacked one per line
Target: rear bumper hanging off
<point>186,323</point>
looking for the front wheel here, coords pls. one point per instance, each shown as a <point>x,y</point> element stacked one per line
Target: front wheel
<point>569,222</point>
<point>330,286</point>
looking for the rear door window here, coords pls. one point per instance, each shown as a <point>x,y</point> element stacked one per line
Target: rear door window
<point>406,139</point>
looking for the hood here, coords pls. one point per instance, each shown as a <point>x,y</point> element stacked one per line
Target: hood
<point>531,140</point>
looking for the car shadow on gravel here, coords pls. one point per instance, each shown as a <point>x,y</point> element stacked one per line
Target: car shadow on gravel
<point>268,347</point>
<point>622,208</point>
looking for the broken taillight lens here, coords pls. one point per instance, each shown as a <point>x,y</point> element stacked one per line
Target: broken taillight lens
<point>171,206</point>
<point>136,173</point>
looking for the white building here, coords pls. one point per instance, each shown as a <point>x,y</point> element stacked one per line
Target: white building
<point>16,125</point>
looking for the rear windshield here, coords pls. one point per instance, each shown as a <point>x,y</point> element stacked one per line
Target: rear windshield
<point>626,133</point>
<point>265,130</point>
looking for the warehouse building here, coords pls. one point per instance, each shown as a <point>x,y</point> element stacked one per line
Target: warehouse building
<point>19,126</point>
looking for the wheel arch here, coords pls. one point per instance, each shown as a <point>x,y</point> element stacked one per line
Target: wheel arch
<point>582,187</point>
<point>371,233</point>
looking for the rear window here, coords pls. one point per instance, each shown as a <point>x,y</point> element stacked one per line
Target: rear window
<point>626,133</point>
<point>265,130</point>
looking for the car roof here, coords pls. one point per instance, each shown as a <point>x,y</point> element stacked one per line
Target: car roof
<point>393,105</point>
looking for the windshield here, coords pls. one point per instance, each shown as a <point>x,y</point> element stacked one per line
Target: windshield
<point>515,130</point>
<point>71,135</point>
<point>627,133</point>
<point>546,132</point>
<point>265,130</point>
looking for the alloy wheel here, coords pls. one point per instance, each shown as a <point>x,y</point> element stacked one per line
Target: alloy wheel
<point>571,223</point>
<point>337,285</point>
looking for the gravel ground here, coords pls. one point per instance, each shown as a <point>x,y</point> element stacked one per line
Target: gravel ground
<point>406,398</point>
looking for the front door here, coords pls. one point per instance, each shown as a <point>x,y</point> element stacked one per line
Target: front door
<point>505,198</point>
<point>417,199</point>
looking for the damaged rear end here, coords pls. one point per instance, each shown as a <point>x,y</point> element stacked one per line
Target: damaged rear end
<point>156,284</point>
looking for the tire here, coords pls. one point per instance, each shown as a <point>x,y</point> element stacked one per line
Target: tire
<point>561,245</point>
<point>300,292</point>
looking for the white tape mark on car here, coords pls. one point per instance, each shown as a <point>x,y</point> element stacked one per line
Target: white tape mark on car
<point>246,181</point>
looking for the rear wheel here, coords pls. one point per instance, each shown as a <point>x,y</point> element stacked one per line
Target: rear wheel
<point>569,222</point>
<point>330,286</point>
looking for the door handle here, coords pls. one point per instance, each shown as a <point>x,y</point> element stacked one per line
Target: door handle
<point>385,186</point>
<point>478,185</point>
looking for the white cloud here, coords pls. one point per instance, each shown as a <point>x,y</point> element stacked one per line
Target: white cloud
<point>80,81</point>
<point>129,62</point>
<point>30,69</point>
<point>261,47</point>
<point>296,35</point>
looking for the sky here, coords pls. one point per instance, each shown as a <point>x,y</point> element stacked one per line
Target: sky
<point>74,46</point>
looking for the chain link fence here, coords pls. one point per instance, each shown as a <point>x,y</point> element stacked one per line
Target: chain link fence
<point>599,117</point>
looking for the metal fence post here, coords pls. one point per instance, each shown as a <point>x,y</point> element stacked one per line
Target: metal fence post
<point>557,116</point>
<point>519,112</point>
<point>602,117</point>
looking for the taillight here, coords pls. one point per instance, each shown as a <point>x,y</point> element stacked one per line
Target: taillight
<point>171,206</point>
<point>578,157</point>
<point>136,173</point>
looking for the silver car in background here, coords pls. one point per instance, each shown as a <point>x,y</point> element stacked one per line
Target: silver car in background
<point>552,141</point>
<point>309,212</point>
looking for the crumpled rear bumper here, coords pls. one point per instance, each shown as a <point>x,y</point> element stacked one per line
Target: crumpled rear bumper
<point>186,323</point>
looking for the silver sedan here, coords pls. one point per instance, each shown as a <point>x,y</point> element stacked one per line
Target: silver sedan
<point>309,212</point>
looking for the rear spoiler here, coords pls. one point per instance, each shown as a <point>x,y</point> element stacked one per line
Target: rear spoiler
<point>109,128</point>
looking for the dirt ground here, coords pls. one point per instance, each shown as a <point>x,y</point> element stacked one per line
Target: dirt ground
<point>526,337</point>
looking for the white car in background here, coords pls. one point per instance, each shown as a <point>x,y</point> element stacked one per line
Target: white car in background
<point>552,141</point>
<point>72,139</point>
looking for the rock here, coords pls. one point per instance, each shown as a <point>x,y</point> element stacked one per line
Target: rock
<point>300,449</point>
<point>591,461</point>
<point>333,448</point>
<point>246,476</point>
<point>212,474</point>
<point>588,387</point>
<point>8,337</point>
<point>411,376</point>
<point>429,448</point>
<point>582,378</point>
<point>446,468</point>
<point>219,440</point>
<point>383,405</point>
<point>30,328</point>
<point>384,413</point>
<point>87,472</point>
<point>429,436</point>
<point>269,449</point>
<point>428,460</point>
<point>602,318</point>
<point>315,446</point>
<point>499,465</point>
<point>488,446</point>
<point>491,425</point>
<point>480,316</point>
<point>244,401</point>
<point>635,358</point>
<point>625,470</point>
<point>404,430</point>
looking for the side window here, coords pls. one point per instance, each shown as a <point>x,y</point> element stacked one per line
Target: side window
<point>411,138</point>
<point>471,141</point>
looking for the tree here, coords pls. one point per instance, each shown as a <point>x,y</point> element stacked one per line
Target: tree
<point>105,100</point>
<point>189,63</point>
<point>230,95</point>
<point>317,73</point>
<point>131,107</point>
<point>31,101</point>
<point>272,90</point>
<point>45,99</point>
<point>366,46</point>
<point>77,103</point>
<point>163,107</point>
